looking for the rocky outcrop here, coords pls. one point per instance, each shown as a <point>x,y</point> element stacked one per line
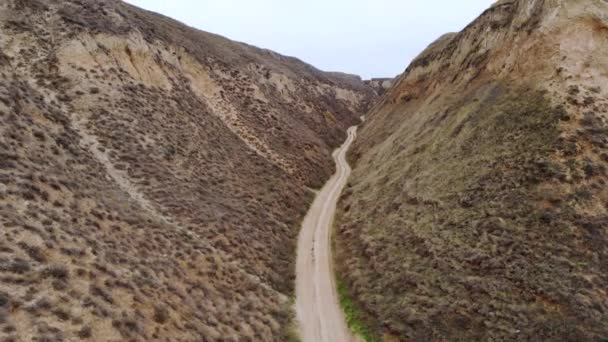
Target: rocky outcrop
<point>477,207</point>
<point>152,176</point>
<point>380,85</point>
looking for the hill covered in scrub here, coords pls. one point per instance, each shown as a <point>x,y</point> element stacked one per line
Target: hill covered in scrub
<point>477,207</point>
<point>153,177</point>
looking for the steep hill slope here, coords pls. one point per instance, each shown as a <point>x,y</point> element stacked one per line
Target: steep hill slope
<point>477,208</point>
<point>152,176</point>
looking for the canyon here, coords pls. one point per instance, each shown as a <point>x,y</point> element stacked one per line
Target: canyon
<point>158,182</point>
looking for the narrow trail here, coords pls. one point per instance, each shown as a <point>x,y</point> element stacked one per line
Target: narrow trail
<point>320,316</point>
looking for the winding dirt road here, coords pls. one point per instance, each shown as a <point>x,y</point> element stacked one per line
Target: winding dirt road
<point>317,305</point>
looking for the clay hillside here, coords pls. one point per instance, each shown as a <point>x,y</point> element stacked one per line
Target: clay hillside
<point>153,177</point>
<point>477,208</point>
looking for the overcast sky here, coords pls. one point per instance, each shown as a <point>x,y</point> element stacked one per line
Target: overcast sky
<point>371,38</point>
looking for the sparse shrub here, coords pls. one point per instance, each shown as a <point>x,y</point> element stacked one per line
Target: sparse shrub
<point>588,101</point>
<point>34,252</point>
<point>573,90</point>
<point>562,113</point>
<point>28,195</point>
<point>57,272</point>
<point>583,194</point>
<point>19,266</point>
<point>39,305</point>
<point>60,285</point>
<point>85,332</point>
<point>596,90</point>
<point>161,313</point>
<point>590,169</point>
<point>99,292</point>
<point>4,300</point>
<point>126,325</point>
<point>61,314</point>
<point>39,135</point>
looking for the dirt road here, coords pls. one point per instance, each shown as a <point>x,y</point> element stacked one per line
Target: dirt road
<point>319,314</point>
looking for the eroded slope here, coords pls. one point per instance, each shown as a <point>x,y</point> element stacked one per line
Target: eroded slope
<point>477,205</point>
<point>153,177</point>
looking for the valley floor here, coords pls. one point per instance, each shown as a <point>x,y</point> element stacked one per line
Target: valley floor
<point>319,314</point>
